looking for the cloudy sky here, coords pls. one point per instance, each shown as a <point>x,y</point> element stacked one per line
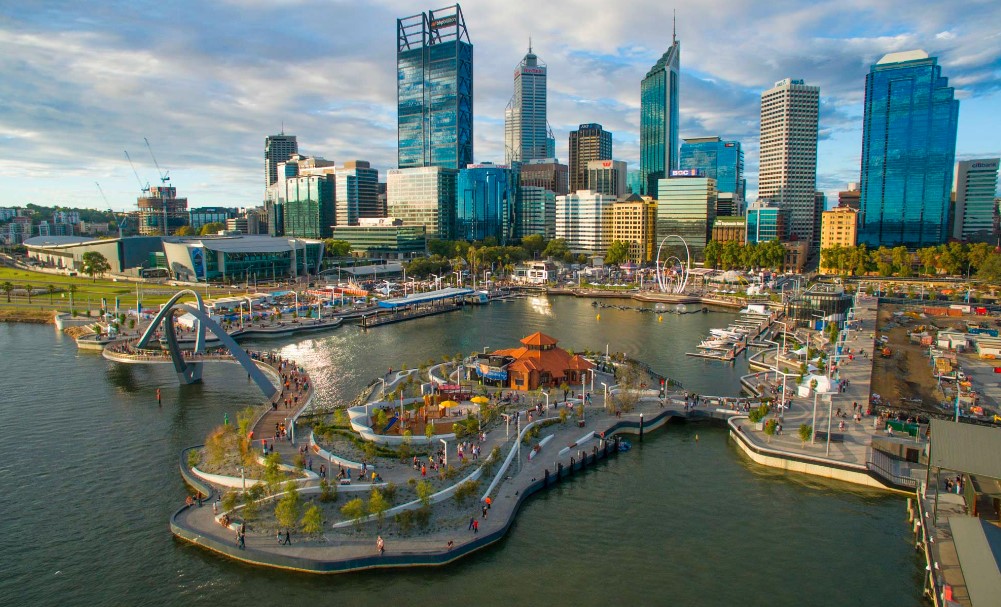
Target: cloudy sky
<point>81,81</point>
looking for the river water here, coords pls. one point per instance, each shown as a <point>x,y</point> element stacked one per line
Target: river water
<point>89,480</point>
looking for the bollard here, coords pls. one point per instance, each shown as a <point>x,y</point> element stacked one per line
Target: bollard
<point>559,471</point>
<point>572,463</point>
<point>545,479</point>
<point>604,449</point>
<point>641,427</point>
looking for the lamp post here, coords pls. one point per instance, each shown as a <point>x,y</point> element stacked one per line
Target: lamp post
<point>546,394</point>
<point>605,402</point>
<point>458,278</point>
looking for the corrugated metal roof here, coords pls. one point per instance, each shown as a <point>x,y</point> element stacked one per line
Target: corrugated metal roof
<point>978,545</point>
<point>966,448</point>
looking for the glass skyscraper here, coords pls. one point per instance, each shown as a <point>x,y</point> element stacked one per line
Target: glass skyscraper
<point>434,65</point>
<point>485,202</point>
<point>525,133</point>
<point>659,119</point>
<point>908,150</point>
<point>717,159</point>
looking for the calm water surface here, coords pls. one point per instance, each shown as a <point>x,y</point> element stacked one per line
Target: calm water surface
<point>89,480</point>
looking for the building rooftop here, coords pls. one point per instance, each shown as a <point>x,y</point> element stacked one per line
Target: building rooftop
<point>416,298</point>
<point>965,448</point>
<point>902,56</point>
<point>56,241</point>
<point>242,243</point>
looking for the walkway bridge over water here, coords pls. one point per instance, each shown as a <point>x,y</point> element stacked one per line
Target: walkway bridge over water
<point>188,366</point>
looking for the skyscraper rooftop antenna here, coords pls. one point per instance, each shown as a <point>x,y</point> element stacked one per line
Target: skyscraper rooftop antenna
<point>529,45</point>
<point>674,37</point>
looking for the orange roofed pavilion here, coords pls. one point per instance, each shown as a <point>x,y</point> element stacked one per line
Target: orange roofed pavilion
<point>539,363</point>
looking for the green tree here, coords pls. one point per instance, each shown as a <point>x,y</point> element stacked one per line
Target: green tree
<point>978,253</point>
<point>377,505</point>
<point>94,263</point>
<point>990,270</point>
<point>424,491</point>
<point>901,261</point>
<point>312,520</point>
<point>7,287</point>
<point>805,432</point>
<point>27,290</point>
<point>336,248</point>
<point>51,289</point>
<point>533,244</point>
<point>287,509</point>
<point>354,510</point>
<point>712,253</point>
<point>185,231</point>
<point>72,289</point>
<point>379,420</point>
<point>272,472</point>
<point>211,228</point>
<point>771,426</point>
<point>618,252</point>
<point>556,249</point>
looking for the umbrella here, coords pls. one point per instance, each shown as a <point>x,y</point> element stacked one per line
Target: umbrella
<point>448,403</point>
<point>480,400</point>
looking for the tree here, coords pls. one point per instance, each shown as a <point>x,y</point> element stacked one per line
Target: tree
<point>336,248</point>
<point>379,420</point>
<point>805,432</point>
<point>556,248</point>
<point>712,253</point>
<point>618,252</point>
<point>378,505</point>
<point>771,427</point>
<point>27,290</point>
<point>51,289</point>
<point>312,521</point>
<point>533,244</point>
<point>990,269</point>
<point>354,510</point>
<point>94,263</point>
<point>211,228</point>
<point>424,491</point>
<point>287,510</point>
<point>185,231</point>
<point>901,261</point>
<point>8,288</point>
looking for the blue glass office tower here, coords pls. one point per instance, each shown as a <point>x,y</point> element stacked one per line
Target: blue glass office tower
<point>659,119</point>
<point>718,159</point>
<point>434,65</point>
<point>908,150</point>
<point>485,202</point>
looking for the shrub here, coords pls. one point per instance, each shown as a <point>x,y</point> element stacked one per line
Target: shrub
<point>354,510</point>
<point>312,521</point>
<point>770,427</point>
<point>805,432</point>
<point>424,491</point>
<point>328,492</point>
<point>465,491</point>
<point>287,509</point>
<point>377,505</point>
<point>194,458</point>
<point>389,492</point>
<point>229,500</point>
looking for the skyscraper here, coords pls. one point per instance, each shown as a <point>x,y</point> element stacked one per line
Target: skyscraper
<point>607,177</point>
<point>787,172</point>
<point>434,64</point>
<point>277,148</point>
<point>525,133</point>
<point>485,202</point>
<point>423,196</point>
<point>659,118</point>
<point>589,142</point>
<point>356,194</point>
<point>976,183</point>
<point>908,150</point>
<point>686,207</point>
<point>717,159</point>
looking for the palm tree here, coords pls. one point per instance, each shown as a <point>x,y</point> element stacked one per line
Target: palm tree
<point>27,289</point>
<point>7,288</point>
<point>51,289</point>
<point>72,289</point>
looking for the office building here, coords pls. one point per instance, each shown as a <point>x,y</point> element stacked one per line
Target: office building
<point>546,173</point>
<point>203,215</point>
<point>721,160</point>
<point>302,206</point>
<point>729,228</point>
<point>850,197</point>
<point>526,136</point>
<point>976,184</point>
<point>589,142</point>
<point>162,212</point>
<point>839,228</point>
<point>787,172</point>
<point>819,206</point>
<point>634,220</point>
<point>766,221</point>
<point>796,254</point>
<point>908,152</point>
<point>384,238</point>
<point>485,196</point>
<point>607,177</point>
<point>423,196</point>
<point>660,119</point>
<point>434,64</point>
<point>536,213</point>
<point>356,194</point>
<point>247,223</point>
<point>634,180</point>
<point>584,220</point>
<point>277,148</point>
<point>686,207</point>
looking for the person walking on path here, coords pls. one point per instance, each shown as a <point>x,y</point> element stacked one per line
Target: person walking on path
<point>380,545</point>
<point>476,526</point>
<point>484,511</point>
<point>288,538</point>
<point>472,520</point>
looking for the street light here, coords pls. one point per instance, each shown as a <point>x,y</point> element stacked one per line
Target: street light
<point>606,395</point>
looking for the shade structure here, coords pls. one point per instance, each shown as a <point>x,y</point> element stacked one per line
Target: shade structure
<point>448,403</point>
<point>480,400</point>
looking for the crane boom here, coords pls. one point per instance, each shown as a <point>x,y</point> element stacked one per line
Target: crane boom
<point>144,188</point>
<point>164,175</point>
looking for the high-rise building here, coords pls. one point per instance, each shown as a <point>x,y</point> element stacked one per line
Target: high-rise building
<point>485,196</point>
<point>787,172</point>
<point>203,215</point>
<point>634,180</point>
<point>718,159</point>
<point>525,131</point>
<point>766,221</point>
<point>423,196</point>
<point>162,212</point>
<point>434,65</point>
<point>634,220</point>
<point>302,206</point>
<point>819,206</point>
<point>589,142</point>
<point>839,229</point>
<point>686,207</point>
<point>660,118</point>
<point>357,193</point>
<point>607,177</point>
<point>546,173</point>
<point>975,185</point>
<point>730,228</point>
<point>584,220</point>
<point>277,148</point>
<point>536,212</point>
<point>850,197</point>
<point>908,150</point>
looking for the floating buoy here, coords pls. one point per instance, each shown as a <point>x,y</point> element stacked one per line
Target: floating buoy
<point>696,438</point>
<point>598,317</point>
<point>660,318</point>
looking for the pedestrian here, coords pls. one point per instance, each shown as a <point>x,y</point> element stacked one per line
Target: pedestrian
<point>484,511</point>
<point>489,501</point>
<point>472,520</point>
<point>476,526</point>
<point>288,538</point>
<point>380,545</point>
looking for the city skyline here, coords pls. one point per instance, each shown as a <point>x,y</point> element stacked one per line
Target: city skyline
<point>223,82</point>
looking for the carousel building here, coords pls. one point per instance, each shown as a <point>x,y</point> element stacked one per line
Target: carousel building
<point>537,363</point>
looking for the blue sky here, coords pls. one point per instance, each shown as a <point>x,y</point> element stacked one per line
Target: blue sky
<point>81,81</point>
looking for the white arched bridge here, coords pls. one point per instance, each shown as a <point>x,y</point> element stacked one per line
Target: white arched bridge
<point>188,365</point>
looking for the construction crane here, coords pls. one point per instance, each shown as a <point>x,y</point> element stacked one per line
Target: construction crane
<point>125,218</point>
<point>144,188</point>
<point>164,175</point>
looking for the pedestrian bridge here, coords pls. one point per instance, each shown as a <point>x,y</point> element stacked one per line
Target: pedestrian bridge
<point>188,365</point>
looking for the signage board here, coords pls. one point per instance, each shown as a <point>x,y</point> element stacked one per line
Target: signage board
<point>686,173</point>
